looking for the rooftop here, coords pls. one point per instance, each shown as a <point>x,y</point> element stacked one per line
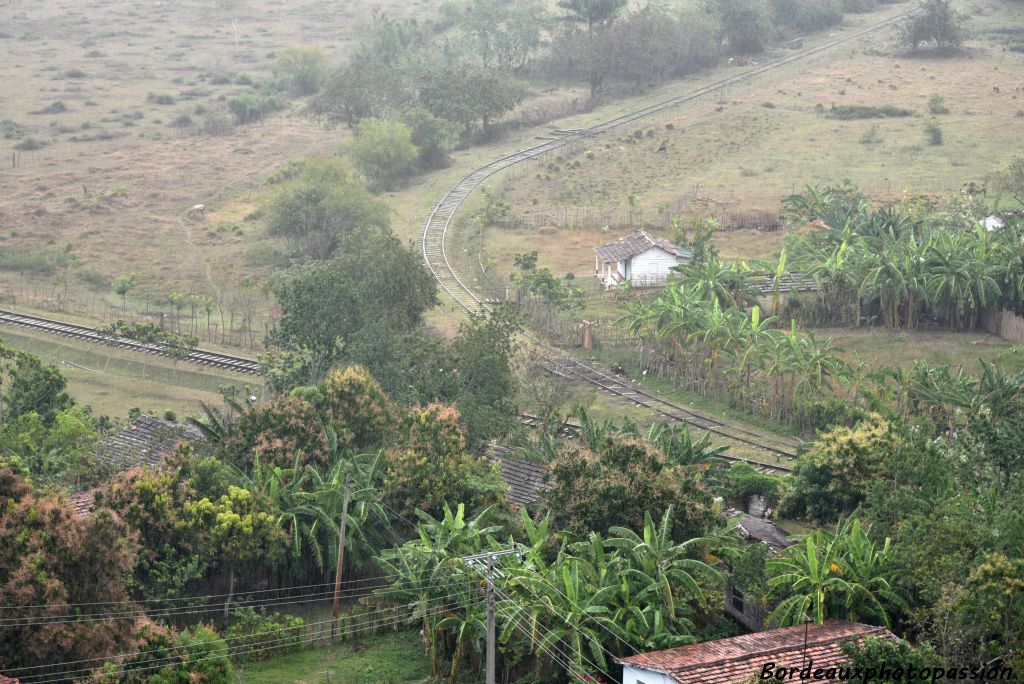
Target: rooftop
<point>637,243</point>
<point>143,443</point>
<point>734,660</point>
<point>526,479</point>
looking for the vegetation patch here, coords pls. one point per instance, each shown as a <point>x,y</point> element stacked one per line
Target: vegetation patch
<point>852,112</point>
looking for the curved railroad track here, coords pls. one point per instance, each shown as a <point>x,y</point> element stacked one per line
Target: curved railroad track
<point>202,357</point>
<point>438,227</point>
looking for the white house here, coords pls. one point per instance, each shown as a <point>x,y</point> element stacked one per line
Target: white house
<point>644,260</point>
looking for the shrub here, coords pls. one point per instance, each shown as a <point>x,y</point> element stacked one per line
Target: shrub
<point>933,133</point>
<point>217,124</point>
<point>852,112</point>
<point>300,71</point>
<point>181,121</point>
<point>28,144</point>
<point>75,73</point>
<point>249,108</point>
<point>935,24</point>
<point>171,416</point>
<point>251,632</point>
<point>160,98</point>
<point>383,151</point>
<point>937,105</point>
<point>871,137</point>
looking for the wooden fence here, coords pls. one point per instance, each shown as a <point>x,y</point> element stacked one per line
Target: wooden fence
<point>1004,323</point>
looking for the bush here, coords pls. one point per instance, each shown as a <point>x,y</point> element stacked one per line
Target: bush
<point>28,144</point>
<point>160,98</point>
<point>934,24</point>
<point>300,71</point>
<point>937,105</point>
<point>853,112</point>
<point>249,108</point>
<point>260,636</point>
<point>75,73</point>
<point>806,16</point>
<point>933,133</point>
<point>383,152</point>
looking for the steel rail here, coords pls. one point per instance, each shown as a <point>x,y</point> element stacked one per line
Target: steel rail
<point>197,356</point>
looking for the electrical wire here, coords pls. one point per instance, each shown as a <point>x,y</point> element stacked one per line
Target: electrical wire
<point>390,588</point>
<point>359,625</point>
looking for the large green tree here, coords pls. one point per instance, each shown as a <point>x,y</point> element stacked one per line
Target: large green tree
<point>319,204</point>
<point>341,310</point>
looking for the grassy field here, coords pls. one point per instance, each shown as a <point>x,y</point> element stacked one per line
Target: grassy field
<point>744,152</point>
<point>896,348</point>
<point>386,659</point>
<point>113,381</point>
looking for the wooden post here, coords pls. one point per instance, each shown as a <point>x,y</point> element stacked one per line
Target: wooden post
<point>489,677</point>
<point>341,558</point>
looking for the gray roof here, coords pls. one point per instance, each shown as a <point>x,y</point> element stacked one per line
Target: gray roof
<point>145,442</point>
<point>638,243</point>
<point>757,529</point>
<point>526,479</point>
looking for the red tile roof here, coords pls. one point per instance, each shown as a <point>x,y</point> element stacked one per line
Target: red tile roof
<point>734,660</point>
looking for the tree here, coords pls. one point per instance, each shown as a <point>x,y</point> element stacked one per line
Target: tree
<point>482,355</point>
<point>467,94</point>
<point>432,136</point>
<point>934,23</point>
<point>431,469</point>
<point>383,152</point>
<point>1010,181</point>
<point>618,483</point>
<point>123,284</point>
<point>584,52</point>
<point>50,560</point>
<point>384,288</point>
<point>321,205</point>
<point>831,479</point>
<point>504,35</point>
<point>744,24</point>
<point>29,386</point>
<point>841,575</point>
<point>300,70</point>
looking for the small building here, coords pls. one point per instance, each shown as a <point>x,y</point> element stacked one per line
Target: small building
<point>738,659</point>
<point>641,259</point>
<point>526,480</point>
<point>145,442</point>
<point>741,604</point>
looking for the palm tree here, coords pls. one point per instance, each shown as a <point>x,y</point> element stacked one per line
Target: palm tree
<point>841,574</point>
<point>661,568</point>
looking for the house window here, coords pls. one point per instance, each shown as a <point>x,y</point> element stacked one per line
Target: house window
<point>737,599</point>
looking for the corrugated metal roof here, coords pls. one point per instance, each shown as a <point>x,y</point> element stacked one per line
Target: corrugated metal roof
<point>143,443</point>
<point>638,243</point>
<point>526,479</point>
<point>736,659</point>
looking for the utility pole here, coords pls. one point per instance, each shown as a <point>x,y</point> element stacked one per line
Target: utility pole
<point>489,679</point>
<point>484,563</point>
<point>341,558</point>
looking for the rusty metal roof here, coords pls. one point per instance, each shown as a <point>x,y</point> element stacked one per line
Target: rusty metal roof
<point>736,659</point>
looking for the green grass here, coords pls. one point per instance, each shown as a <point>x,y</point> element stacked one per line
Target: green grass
<point>386,659</point>
<point>114,381</point>
<point>900,348</point>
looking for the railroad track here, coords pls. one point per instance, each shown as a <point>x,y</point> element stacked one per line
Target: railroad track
<point>201,357</point>
<point>438,226</point>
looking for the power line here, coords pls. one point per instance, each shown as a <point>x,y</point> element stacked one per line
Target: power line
<point>390,588</point>
<point>361,625</point>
